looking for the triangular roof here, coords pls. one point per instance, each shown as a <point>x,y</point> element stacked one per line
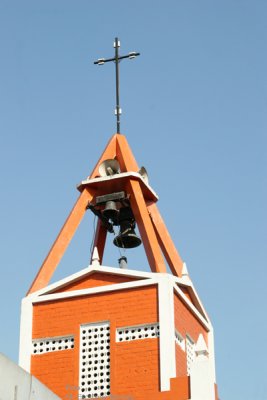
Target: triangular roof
<point>90,271</point>
<point>155,237</point>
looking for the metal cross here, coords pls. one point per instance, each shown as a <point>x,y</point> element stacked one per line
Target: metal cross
<point>117,59</point>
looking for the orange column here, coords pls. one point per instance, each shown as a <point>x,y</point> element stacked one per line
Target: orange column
<point>167,246</point>
<point>125,156</point>
<point>145,226</point>
<point>62,241</point>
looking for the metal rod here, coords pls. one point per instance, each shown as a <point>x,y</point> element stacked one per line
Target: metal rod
<point>117,84</point>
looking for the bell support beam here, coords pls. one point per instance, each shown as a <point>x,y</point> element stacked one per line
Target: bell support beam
<point>100,240</point>
<point>165,241</point>
<point>62,241</point>
<point>145,226</point>
<point>125,156</point>
<point>108,153</point>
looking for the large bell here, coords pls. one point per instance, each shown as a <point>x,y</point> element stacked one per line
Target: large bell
<point>111,211</point>
<point>127,238</point>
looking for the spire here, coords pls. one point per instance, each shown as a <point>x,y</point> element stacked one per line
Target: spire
<point>185,274</point>
<point>95,257</point>
<point>185,271</point>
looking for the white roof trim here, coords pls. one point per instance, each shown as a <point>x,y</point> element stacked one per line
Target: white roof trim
<point>195,311</point>
<point>88,271</point>
<point>197,299</point>
<point>146,279</point>
<point>192,290</point>
<point>153,279</point>
<point>95,290</point>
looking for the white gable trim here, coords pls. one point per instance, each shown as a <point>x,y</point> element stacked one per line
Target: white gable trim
<point>95,290</point>
<point>194,310</point>
<point>149,278</point>
<point>188,284</point>
<point>89,271</point>
<point>119,272</point>
<point>198,301</point>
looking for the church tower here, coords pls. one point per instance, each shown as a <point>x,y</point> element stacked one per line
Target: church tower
<point>111,332</point>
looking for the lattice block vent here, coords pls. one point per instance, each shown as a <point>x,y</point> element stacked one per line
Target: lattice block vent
<point>137,332</point>
<point>190,353</point>
<point>179,340</point>
<point>94,361</point>
<point>46,345</point>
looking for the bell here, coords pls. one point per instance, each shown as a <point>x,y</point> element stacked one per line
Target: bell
<point>111,211</point>
<point>127,238</point>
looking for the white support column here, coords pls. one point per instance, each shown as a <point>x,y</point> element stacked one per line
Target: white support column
<point>167,329</point>
<point>25,334</point>
<point>201,373</point>
<point>211,353</point>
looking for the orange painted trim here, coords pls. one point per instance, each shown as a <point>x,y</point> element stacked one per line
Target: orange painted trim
<point>62,241</point>
<point>100,240</point>
<point>180,388</point>
<point>145,226</point>
<point>125,156</point>
<point>165,241</point>
<point>108,153</point>
<point>216,392</point>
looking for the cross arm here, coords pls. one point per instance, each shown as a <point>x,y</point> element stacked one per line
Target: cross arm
<point>102,61</point>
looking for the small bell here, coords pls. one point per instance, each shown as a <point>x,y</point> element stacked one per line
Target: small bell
<point>127,238</point>
<point>111,211</point>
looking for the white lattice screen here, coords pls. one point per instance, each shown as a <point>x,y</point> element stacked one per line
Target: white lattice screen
<point>46,345</point>
<point>94,360</point>
<point>190,353</point>
<point>137,332</point>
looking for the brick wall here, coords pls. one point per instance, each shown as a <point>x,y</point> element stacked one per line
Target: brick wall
<point>134,364</point>
<point>185,323</point>
<point>139,359</point>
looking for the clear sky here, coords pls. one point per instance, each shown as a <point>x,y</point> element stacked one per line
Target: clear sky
<point>194,113</point>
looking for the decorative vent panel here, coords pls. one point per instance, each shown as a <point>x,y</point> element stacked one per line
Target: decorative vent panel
<point>179,340</point>
<point>94,361</point>
<point>46,345</point>
<point>190,353</point>
<point>137,332</point>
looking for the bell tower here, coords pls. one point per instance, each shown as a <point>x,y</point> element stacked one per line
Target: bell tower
<point>111,332</point>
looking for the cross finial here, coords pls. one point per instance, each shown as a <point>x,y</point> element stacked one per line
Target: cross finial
<point>117,60</point>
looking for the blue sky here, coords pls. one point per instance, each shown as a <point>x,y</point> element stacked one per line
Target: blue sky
<point>194,113</point>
